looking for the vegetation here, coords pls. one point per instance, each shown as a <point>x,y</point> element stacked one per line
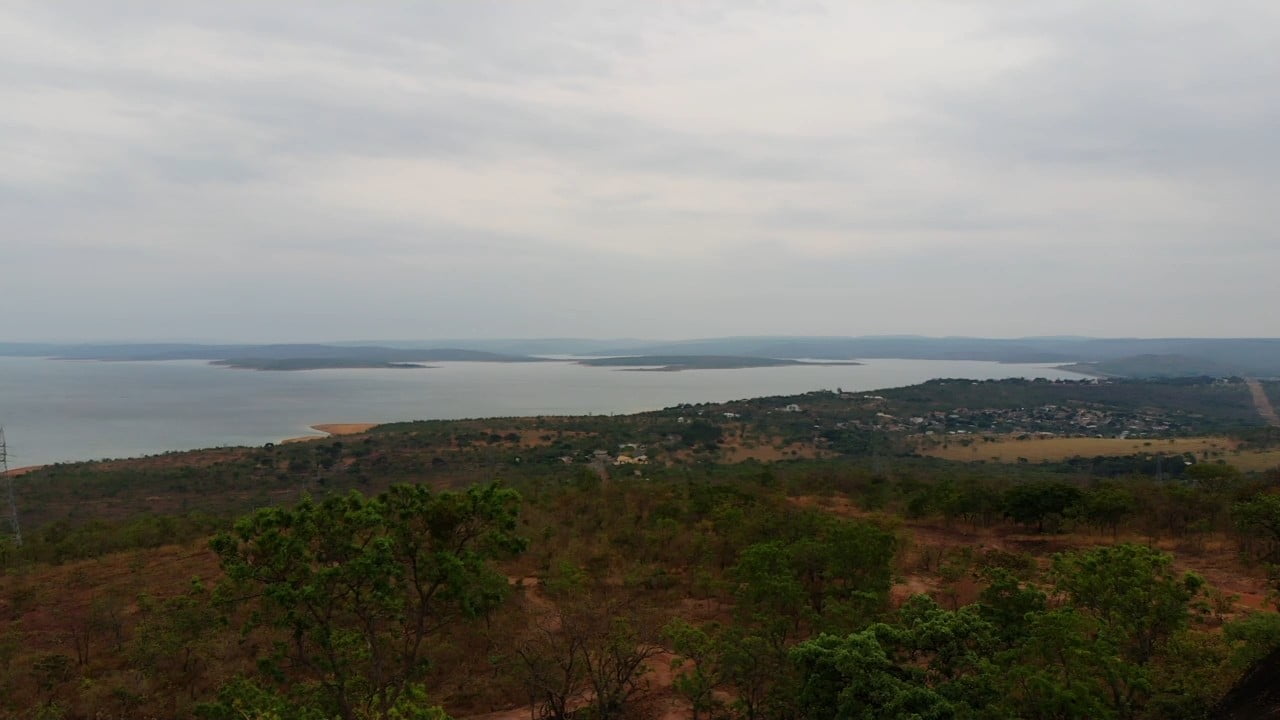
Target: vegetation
<point>1257,357</point>
<point>357,589</point>
<point>458,569</point>
<point>313,364</point>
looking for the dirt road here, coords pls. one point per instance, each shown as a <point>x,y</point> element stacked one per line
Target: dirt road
<point>1263,403</point>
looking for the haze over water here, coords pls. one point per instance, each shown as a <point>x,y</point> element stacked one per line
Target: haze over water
<point>60,410</point>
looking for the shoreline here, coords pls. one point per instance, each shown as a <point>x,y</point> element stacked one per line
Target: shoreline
<point>332,430</point>
<point>23,470</point>
<point>246,415</point>
<point>15,472</point>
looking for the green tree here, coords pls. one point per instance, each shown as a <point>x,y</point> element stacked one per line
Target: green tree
<point>1010,606</point>
<point>1213,475</point>
<point>946,649</point>
<point>853,678</point>
<point>835,573</point>
<point>1132,590</point>
<point>769,594</point>
<point>1107,507</point>
<point>854,572</point>
<point>757,669</point>
<point>1258,520</point>
<point>973,502</point>
<point>1194,672</point>
<point>172,642</point>
<point>697,671</point>
<point>1053,674</point>
<point>1252,638</point>
<point>355,587</point>
<point>1034,503</point>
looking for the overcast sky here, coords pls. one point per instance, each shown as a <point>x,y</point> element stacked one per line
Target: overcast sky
<point>312,171</point>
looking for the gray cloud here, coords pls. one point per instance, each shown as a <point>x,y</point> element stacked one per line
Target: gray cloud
<point>1179,90</point>
<point>260,171</point>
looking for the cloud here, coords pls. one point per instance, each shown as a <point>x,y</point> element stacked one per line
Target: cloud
<point>676,169</point>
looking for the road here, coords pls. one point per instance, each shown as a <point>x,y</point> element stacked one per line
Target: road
<point>1263,403</point>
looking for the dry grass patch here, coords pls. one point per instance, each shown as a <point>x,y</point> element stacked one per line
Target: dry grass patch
<point>1007,449</point>
<point>737,448</point>
<point>1257,460</point>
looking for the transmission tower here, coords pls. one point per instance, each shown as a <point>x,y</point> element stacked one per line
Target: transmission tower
<point>13,503</point>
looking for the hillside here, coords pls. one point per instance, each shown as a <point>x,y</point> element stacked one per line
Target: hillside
<point>709,559</point>
<point>1242,356</point>
<point>1157,366</point>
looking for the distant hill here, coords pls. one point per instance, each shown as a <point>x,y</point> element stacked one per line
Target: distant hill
<point>1258,357</point>
<point>1154,366</point>
<point>835,348</point>
<point>1253,357</point>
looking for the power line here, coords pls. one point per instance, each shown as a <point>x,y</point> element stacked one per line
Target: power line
<point>13,503</point>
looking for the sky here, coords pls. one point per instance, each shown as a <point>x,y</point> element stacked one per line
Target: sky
<point>263,171</point>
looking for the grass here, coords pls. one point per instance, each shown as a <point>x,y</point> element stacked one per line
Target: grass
<point>1257,460</point>
<point>1006,449</point>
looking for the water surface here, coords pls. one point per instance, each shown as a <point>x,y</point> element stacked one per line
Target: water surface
<point>61,410</point>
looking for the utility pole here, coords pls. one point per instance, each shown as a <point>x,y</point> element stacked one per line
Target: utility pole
<point>13,503</point>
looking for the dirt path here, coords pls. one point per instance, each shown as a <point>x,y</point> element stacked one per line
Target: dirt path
<point>1263,403</point>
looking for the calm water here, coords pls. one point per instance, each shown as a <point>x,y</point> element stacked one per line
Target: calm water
<point>60,410</point>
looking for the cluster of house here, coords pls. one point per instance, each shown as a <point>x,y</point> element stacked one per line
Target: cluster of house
<point>1044,421</point>
<point>628,454</point>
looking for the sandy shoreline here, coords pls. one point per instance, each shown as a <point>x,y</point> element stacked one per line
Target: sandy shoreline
<point>15,472</point>
<point>333,429</point>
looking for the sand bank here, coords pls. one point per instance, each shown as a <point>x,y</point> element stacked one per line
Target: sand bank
<point>15,472</point>
<point>332,429</point>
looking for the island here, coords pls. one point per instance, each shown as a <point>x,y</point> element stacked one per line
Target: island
<point>1104,357</point>
<point>287,356</point>
<point>315,364</point>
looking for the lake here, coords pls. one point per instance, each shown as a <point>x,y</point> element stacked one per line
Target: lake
<point>64,410</point>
